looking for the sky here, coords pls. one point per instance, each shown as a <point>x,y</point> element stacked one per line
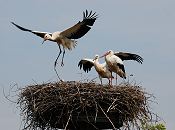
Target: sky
<point>144,27</point>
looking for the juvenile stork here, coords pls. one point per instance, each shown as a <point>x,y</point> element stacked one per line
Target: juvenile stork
<point>66,37</point>
<point>115,61</point>
<point>102,69</point>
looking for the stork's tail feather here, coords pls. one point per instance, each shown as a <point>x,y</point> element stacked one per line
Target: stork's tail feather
<point>70,44</point>
<point>74,44</point>
<point>123,76</point>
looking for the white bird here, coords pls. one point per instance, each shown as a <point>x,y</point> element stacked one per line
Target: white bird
<point>115,61</point>
<point>66,37</point>
<point>102,69</point>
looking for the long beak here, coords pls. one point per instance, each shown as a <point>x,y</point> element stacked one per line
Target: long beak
<point>43,41</point>
<point>104,55</point>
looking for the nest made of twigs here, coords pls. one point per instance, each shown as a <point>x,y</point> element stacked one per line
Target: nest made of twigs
<point>73,105</point>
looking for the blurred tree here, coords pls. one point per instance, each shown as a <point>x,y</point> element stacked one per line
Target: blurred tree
<point>147,126</point>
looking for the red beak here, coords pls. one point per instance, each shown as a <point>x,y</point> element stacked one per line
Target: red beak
<point>104,55</point>
<point>43,41</point>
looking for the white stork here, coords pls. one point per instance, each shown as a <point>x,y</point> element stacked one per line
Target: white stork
<point>66,37</point>
<point>115,61</point>
<point>102,69</point>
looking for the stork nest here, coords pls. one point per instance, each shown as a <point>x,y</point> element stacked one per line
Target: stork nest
<point>74,105</point>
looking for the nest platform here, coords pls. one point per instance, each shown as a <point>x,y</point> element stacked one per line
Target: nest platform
<point>75,105</point>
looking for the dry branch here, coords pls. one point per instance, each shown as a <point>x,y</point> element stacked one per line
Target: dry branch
<point>70,104</point>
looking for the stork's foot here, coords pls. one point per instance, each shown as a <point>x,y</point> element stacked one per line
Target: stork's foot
<point>110,86</point>
<point>58,75</point>
<point>61,80</point>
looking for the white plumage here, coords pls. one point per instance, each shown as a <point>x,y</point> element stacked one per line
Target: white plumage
<point>115,61</point>
<point>102,69</point>
<point>115,64</point>
<point>66,37</point>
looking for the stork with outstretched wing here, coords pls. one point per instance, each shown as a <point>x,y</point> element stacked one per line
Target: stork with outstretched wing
<point>102,69</point>
<point>67,37</point>
<point>115,61</point>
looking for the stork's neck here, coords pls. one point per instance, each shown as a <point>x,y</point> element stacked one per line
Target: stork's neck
<point>51,38</point>
<point>107,57</point>
<point>54,36</point>
<point>97,65</point>
<point>96,62</point>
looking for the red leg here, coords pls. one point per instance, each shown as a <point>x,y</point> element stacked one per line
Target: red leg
<point>116,79</point>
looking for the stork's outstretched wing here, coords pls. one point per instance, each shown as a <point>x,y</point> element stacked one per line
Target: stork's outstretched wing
<point>81,28</point>
<point>87,64</point>
<point>129,56</point>
<point>40,34</point>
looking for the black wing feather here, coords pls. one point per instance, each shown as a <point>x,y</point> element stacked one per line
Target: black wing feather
<point>83,26</point>
<point>129,56</point>
<point>121,66</point>
<point>87,65</point>
<point>40,34</point>
<point>79,34</point>
<point>23,29</point>
<point>89,19</point>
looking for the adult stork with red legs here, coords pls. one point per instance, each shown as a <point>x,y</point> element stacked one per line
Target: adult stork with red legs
<point>102,69</point>
<point>114,60</point>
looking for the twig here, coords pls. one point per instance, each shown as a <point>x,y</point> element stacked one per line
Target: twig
<point>34,81</point>
<point>9,94</point>
<point>92,80</point>
<point>68,120</point>
<point>96,113</point>
<point>107,117</point>
<point>92,125</point>
<point>111,105</point>
<point>79,93</point>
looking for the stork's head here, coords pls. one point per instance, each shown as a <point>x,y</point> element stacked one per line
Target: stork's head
<point>110,52</point>
<point>96,57</point>
<point>46,37</point>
